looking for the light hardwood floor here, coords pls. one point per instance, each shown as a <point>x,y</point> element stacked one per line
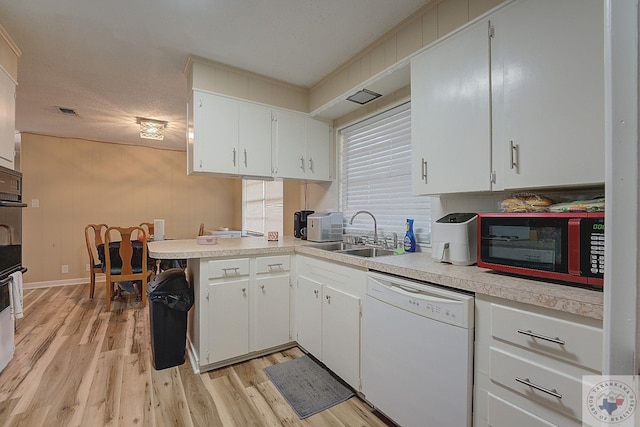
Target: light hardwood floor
<point>76,365</point>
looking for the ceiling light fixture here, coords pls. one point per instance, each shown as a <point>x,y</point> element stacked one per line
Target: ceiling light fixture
<point>363,96</point>
<point>151,128</point>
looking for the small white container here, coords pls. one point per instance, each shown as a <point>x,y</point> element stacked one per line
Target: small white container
<point>207,240</point>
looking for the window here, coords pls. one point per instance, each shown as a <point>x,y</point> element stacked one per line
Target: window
<point>375,175</point>
<point>262,207</point>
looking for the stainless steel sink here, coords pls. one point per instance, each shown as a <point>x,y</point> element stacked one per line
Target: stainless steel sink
<point>351,249</point>
<point>366,252</point>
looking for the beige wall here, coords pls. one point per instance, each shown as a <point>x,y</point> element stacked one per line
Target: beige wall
<point>79,182</point>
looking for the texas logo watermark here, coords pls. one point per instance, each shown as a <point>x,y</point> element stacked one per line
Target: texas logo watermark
<point>610,400</point>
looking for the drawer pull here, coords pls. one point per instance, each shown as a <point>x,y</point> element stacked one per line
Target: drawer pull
<point>270,266</point>
<point>552,392</point>
<point>233,269</point>
<point>542,337</point>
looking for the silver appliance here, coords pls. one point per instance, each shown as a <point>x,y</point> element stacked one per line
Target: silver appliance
<point>417,338</point>
<point>325,227</point>
<point>10,254</point>
<point>455,239</point>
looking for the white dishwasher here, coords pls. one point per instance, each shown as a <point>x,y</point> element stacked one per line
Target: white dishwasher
<point>417,352</point>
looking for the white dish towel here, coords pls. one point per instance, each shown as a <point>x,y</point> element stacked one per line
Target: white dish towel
<point>16,295</point>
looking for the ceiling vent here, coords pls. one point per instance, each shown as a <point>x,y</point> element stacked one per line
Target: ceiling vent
<point>67,111</point>
<point>363,96</point>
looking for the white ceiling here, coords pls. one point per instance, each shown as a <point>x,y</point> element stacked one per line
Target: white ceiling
<point>113,61</point>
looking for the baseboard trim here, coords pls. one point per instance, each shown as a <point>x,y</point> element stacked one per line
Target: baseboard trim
<point>54,283</point>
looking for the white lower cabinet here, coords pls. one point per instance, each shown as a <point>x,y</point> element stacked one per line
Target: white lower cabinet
<point>241,308</point>
<point>529,364</point>
<point>328,308</point>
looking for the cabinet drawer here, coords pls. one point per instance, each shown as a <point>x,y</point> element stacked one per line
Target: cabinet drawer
<point>568,341</point>
<point>228,268</point>
<point>273,264</point>
<point>511,371</point>
<point>504,414</point>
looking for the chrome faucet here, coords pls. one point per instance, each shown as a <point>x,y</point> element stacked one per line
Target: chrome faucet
<point>375,224</point>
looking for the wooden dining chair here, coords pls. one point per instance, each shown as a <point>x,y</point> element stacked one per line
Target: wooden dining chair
<point>93,235</point>
<point>126,267</point>
<point>148,226</point>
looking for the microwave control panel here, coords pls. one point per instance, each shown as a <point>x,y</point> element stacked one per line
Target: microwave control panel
<point>592,230</point>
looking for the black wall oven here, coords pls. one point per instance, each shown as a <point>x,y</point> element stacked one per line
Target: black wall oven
<point>10,222</point>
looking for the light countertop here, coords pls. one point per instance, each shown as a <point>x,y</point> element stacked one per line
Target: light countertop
<point>418,266</point>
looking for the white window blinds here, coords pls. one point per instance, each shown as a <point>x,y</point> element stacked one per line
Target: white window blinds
<point>262,206</point>
<point>375,162</point>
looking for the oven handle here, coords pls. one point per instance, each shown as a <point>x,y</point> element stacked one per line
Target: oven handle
<point>8,278</point>
<point>7,204</point>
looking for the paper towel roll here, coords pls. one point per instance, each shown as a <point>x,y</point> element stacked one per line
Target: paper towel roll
<point>158,229</point>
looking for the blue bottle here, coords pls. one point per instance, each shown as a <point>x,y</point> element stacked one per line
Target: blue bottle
<point>409,238</point>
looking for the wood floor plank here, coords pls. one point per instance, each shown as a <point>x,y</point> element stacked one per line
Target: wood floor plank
<point>233,402</point>
<point>136,406</point>
<point>103,404</point>
<point>169,402</point>
<point>201,405</point>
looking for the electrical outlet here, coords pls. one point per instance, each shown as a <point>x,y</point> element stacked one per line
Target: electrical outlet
<point>86,268</point>
<point>35,203</point>
<point>65,268</point>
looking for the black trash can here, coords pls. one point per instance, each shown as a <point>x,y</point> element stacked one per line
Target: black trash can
<point>170,298</point>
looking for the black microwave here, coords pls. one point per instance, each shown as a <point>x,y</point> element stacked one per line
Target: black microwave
<point>567,246</point>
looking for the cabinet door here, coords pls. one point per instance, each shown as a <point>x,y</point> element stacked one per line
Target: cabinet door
<point>271,320</point>
<point>227,334</point>
<point>215,134</point>
<point>318,144</point>
<point>341,335</point>
<point>7,120</point>
<point>450,114</point>
<point>254,146</point>
<point>309,315</point>
<point>548,69</point>
<point>291,145</point>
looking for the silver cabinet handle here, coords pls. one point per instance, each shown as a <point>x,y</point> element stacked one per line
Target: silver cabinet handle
<point>262,287</point>
<point>552,392</point>
<point>315,291</point>
<point>245,157</point>
<point>200,164</point>
<point>302,163</point>
<point>234,269</point>
<point>423,165</point>
<point>270,266</point>
<point>530,333</point>
<point>513,153</point>
<point>244,290</point>
<point>328,297</point>
<point>311,164</point>
<point>234,157</point>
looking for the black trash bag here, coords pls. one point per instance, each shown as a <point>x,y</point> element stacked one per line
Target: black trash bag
<point>171,289</point>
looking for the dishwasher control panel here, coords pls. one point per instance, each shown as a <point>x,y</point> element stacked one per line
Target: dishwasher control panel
<point>423,299</point>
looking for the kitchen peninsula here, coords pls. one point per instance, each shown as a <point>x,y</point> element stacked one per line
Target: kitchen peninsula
<point>416,266</point>
<point>253,297</point>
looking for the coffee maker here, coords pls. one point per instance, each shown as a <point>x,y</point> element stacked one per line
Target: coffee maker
<point>300,224</point>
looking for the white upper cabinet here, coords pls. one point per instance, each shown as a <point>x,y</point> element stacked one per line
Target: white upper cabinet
<point>239,138</point>
<point>523,108</point>
<point>7,120</point>
<point>254,139</point>
<point>303,147</point>
<point>450,114</point>
<point>213,142</point>
<point>289,159</point>
<point>548,81</point>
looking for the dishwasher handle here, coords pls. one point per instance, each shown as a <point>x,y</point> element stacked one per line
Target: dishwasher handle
<point>416,293</point>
